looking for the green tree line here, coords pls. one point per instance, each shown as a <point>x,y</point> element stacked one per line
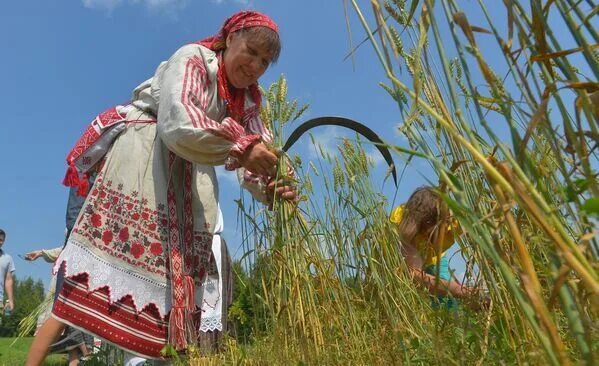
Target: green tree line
<point>28,294</point>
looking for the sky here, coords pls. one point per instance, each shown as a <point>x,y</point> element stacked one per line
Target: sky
<point>63,62</point>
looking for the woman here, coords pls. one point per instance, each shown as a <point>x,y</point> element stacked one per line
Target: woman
<point>141,244</point>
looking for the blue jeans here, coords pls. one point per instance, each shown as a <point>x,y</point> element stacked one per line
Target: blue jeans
<point>74,205</point>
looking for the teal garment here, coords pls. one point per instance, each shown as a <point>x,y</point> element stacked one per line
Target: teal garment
<point>442,301</point>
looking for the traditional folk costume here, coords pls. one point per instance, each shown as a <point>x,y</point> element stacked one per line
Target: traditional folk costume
<point>71,338</point>
<point>141,245</point>
<point>216,292</point>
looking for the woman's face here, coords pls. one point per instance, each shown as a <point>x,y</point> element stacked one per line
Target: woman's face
<point>245,60</point>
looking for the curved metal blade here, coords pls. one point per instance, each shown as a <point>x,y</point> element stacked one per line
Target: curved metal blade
<point>347,123</point>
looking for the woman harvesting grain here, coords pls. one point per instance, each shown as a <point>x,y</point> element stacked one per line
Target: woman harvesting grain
<point>141,244</point>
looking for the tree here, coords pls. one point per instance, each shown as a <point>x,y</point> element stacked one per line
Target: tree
<point>28,294</point>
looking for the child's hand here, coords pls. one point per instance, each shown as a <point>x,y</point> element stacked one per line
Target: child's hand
<point>486,302</point>
<point>31,256</point>
<point>478,300</point>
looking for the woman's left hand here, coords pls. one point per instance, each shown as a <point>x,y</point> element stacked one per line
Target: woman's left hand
<point>283,189</point>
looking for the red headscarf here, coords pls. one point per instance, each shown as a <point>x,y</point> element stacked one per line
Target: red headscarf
<point>235,97</point>
<point>241,20</point>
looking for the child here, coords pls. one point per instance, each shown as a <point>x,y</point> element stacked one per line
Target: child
<point>423,244</point>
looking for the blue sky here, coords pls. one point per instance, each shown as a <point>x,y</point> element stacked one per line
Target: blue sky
<point>63,62</point>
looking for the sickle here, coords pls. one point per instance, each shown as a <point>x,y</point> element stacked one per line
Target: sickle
<point>348,123</point>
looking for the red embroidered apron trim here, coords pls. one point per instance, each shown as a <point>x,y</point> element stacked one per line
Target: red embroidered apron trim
<point>188,246</point>
<point>182,330</point>
<point>143,333</point>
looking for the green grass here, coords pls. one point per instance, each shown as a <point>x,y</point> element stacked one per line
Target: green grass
<point>15,354</point>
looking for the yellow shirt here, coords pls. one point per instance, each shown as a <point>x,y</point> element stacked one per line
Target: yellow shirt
<point>423,245</point>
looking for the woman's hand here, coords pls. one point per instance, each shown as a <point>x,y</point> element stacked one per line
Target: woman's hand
<point>282,189</point>
<point>259,160</point>
<point>31,256</point>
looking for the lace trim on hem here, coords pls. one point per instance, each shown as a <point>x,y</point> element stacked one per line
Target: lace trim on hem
<point>211,305</point>
<point>76,260</point>
<point>211,323</point>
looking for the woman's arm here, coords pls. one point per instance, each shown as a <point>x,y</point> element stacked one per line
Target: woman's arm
<point>188,131</point>
<point>261,187</point>
<point>183,123</point>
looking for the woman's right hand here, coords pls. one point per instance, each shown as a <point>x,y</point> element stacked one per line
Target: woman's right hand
<point>31,256</point>
<point>259,160</point>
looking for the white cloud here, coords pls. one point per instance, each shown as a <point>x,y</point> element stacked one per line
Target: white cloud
<point>110,5</point>
<point>402,137</point>
<point>241,2</point>
<point>107,5</point>
<point>325,139</point>
<point>375,157</point>
<point>162,3</point>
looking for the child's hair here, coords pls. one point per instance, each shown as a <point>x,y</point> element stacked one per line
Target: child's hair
<point>423,212</point>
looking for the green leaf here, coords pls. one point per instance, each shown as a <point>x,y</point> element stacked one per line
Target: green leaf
<point>580,186</point>
<point>570,193</point>
<point>413,7</point>
<point>168,351</point>
<point>591,206</point>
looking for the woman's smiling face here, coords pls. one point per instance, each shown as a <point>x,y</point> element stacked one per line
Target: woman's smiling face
<point>245,60</point>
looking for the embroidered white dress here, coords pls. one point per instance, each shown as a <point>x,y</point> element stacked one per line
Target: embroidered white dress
<point>153,201</point>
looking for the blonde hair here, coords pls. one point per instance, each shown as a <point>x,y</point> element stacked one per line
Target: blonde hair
<point>423,212</point>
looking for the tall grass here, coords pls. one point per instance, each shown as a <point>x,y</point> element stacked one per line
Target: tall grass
<point>531,195</point>
<point>515,156</point>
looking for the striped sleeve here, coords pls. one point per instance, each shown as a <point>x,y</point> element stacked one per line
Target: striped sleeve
<point>183,124</point>
<point>253,183</point>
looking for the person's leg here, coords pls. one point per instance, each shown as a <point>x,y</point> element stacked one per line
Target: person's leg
<point>47,334</point>
<point>84,350</point>
<point>74,357</point>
